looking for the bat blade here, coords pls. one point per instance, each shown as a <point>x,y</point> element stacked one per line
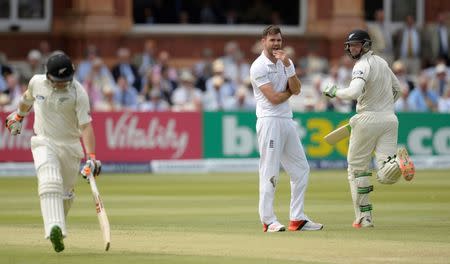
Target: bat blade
<point>101,213</point>
<point>338,134</point>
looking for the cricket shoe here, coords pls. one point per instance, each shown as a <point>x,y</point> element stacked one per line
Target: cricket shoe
<point>274,227</point>
<point>405,164</point>
<point>366,221</point>
<point>304,225</point>
<point>56,237</point>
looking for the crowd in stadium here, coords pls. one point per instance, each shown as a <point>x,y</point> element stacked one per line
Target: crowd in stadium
<point>147,81</point>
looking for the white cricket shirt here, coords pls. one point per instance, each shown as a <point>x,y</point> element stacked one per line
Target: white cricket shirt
<point>380,84</point>
<point>59,113</point>
<point>264,71</point>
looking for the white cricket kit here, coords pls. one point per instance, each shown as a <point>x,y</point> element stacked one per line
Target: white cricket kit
<point>56,147</point>
<point>278,141</point>
<point>374,128</point>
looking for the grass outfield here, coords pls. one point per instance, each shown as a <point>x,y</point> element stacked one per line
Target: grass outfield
<point>213,218</point>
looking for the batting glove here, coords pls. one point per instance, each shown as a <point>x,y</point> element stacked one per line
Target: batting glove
<point>330,91</point>
<point>93,166</point>
<point>14,123</point>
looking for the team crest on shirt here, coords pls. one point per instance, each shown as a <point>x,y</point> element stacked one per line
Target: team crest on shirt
<point>357,73</point>
<point>40,97</point>
<point>260,77</point>
<point>62,99</point>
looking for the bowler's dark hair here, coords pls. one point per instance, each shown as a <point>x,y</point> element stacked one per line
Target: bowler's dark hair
<point>271,30</point>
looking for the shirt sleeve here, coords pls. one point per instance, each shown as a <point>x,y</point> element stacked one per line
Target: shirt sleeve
<point>82,107</point>
<point>259,76</point>
<point>396,91</point>
<point>30,87</point>
<point>361,71</point>
<point>353,91</point>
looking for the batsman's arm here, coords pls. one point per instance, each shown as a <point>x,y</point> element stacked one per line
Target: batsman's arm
<point>25,103</point>
<point>88,137</point>
<point>354,90</point>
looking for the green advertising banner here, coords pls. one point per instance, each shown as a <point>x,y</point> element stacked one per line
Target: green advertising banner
<point>233,135</point>
<point>425,134</point>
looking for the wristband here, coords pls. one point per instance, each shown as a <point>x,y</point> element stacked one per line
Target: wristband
<point>290,71</point>
<point>21,114</point>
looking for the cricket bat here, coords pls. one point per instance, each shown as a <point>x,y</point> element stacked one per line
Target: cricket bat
<point>338,134</point>
<point>101,213</point>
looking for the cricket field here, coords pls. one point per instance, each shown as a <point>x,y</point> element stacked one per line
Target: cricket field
<point>213,218</point>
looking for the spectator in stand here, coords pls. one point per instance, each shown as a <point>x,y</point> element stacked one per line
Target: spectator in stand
<point>312,95</point>
<point>258,13</point>
<point>107,103</point>
<point>163,67</point>
<point>85,66</point>
<point>242,67</point>
<point>312,63</point>
<point>381,36</point>
<point>207,13</point>
<point>186,96</point>
<point>146,59</point>
<point>12,94</point>
<point>126,69</point>
<point>167,84</point>
<point>440,81</point>
<point>97,80</point>
<point>243,100</point>
<point>408,41</point>
<point>229,59</point>
<point>401,105</point>
<point>214,98</point>
<point>422,99</point>
<point>33,65</point>
<point>156,103</point>
<point>231,17</point>
<point>4,71</point>
<point>430,71</point>
<point>154,82</point>
<point>444,102</point>
<point>18,86</point>
<point>227,87</point>
<point>126,95</point>
<point>275,18</point>
<point>437,41</point>
<point>46,51</point>
<point>203,68</point>
<point>398,68</point>
<point>345,70</point>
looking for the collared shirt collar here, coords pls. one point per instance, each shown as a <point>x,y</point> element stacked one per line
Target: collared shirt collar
<point>367,54</point>
<point>267,61</point>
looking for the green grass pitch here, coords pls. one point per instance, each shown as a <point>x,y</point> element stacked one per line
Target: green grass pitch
<point>213,218</point>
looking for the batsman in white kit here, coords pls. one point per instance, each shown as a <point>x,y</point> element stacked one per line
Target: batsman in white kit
<point>61,117</point>
<point>274,81</point>
<point>374,128</point>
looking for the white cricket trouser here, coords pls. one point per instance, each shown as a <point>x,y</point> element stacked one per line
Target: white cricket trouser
<point>279,143</point>
<point>57,168</point>
<point>371,132</point>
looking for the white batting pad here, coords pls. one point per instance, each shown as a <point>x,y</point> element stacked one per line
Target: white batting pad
<point>389,173</point>
<point>50,192</point>
<point>360,188</point>
<point>67,201</point>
